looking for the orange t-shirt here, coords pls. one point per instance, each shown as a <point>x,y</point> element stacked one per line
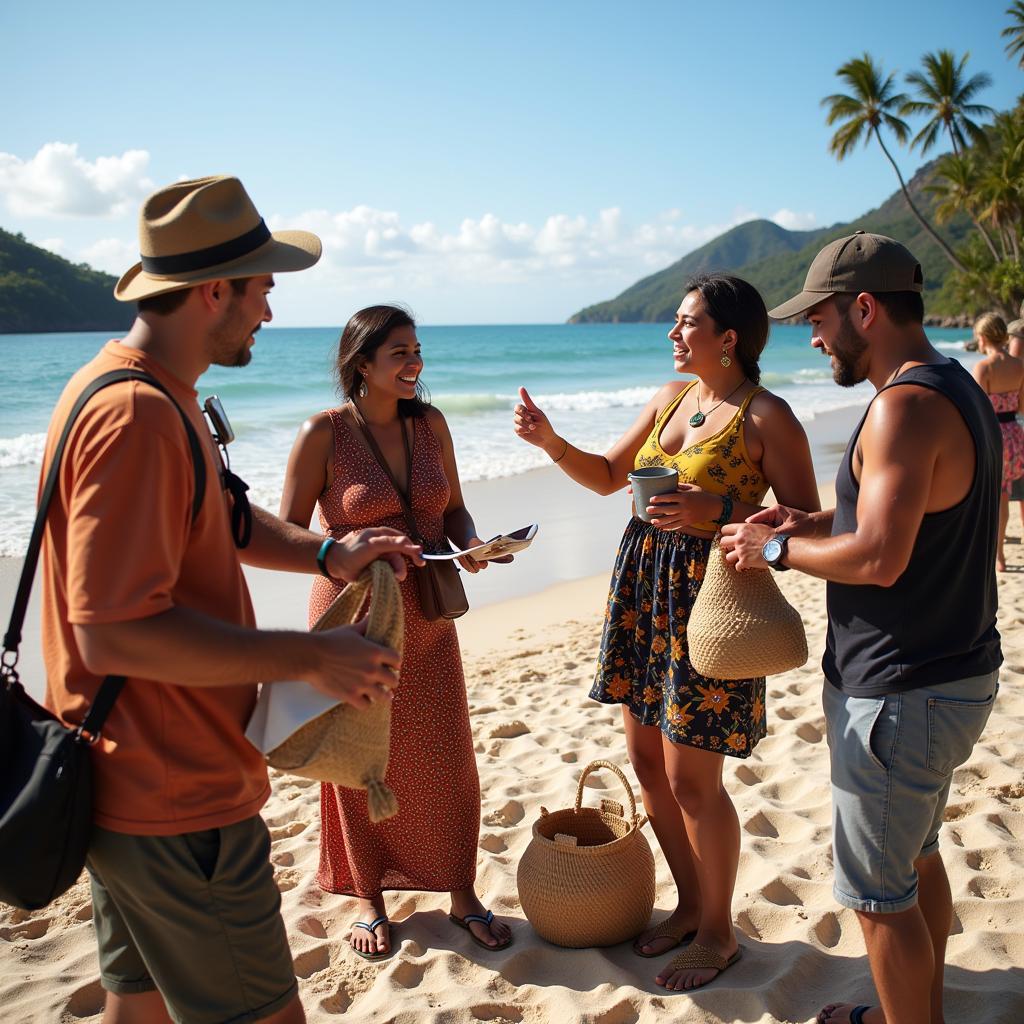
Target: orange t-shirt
<point>120,545</point>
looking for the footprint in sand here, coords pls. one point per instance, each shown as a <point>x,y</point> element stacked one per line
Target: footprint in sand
<point>747,926</point>
<point>310,925</point>
<point>828,931</point>
<point>785,714</point>
<point>747,775</point>
<point>312,962</point>
<point>407,974</point>
<point>809,733</point>
<point>510,814</point>
<point>493,844</point>
<point>87,1001</point>
<point>27,930</point>
<point>780,894</point>
<point>497,1013</point>
<point>293,828</point>
<point>759,825</point>
<point>570,757</point>
<point>509,730</point>
<point>339,1002</point>
<point>623,1012</point>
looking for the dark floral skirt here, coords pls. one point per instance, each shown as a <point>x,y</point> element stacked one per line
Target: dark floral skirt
<point>644,662</point>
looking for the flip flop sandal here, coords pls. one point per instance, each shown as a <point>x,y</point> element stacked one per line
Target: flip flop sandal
<point>698,958</point>
<point>465,922</point>
<point>379,955</point>
<point>857,1014</point>
<point>665,930</point>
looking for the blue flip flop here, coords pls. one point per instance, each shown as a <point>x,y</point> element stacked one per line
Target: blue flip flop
<point>857,1014</point>
<point>465,922</point>
<point>376,923</point>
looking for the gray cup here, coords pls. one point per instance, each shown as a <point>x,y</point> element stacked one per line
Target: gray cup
<point>647,483</point>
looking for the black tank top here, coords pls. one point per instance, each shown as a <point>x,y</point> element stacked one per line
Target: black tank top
<point>937,622</point>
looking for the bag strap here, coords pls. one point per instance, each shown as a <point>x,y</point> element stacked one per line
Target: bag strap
<point>111,687</point>
<point>404,494</point>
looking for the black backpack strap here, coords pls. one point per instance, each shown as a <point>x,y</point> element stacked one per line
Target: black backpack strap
<point>12,638</point>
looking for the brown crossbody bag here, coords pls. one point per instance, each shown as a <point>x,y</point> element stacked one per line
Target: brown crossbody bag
<point>442,595</point>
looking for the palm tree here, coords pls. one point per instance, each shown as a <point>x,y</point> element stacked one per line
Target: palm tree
<point>944,97</point>
<point>1015,33</point>
<point>873,104</point>
<point>957,187</point>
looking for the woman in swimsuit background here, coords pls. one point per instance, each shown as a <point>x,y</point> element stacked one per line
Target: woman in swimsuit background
<point>730,440</point>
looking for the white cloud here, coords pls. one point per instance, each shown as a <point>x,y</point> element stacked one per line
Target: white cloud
<point>57,182</point>
<point>113,255</point>
<point>55,245</point>
<point>792,220</point>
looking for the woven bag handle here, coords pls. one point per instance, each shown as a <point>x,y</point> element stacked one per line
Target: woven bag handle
<point>593,767</point>
<point>386,624</point>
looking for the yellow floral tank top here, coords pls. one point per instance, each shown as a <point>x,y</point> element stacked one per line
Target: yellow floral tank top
<point>719,463</point>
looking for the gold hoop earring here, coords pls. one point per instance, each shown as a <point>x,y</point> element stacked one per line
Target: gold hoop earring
<point>726,361</point>
<point>362,391</point>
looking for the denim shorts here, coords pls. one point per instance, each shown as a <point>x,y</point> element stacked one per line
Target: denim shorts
<point>196,916</point>
<point>893,759</point>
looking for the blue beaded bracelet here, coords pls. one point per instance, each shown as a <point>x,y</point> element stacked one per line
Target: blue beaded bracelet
<point>321,557</point>
<point>726,515</point>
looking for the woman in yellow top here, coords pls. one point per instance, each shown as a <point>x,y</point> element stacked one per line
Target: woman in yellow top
<point>730,441</point>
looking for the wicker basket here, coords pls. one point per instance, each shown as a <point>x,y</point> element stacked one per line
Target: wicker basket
<point>348,745</point>
<point>587,877</point>
<point>741,626</point>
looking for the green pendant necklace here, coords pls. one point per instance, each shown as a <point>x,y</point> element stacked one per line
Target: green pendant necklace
<point>698,418</point>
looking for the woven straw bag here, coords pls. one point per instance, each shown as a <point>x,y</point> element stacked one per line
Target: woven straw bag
<point>347,745</point>
<point>587,877</point>
<point>741,626</point>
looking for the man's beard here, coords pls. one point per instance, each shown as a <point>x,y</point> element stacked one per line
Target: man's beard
<point>847,348</point>
<point>228,349</point>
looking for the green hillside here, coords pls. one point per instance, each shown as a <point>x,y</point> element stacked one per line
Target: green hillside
<point>43,292</point>
<point>775,261</point>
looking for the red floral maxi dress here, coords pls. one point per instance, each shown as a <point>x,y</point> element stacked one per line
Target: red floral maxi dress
<point>431,844</point>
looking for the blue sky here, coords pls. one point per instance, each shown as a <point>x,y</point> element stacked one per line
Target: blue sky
<point>484,164</point>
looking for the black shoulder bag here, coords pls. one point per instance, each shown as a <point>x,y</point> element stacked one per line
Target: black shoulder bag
<point>45,767</point>
<point>441,593</point>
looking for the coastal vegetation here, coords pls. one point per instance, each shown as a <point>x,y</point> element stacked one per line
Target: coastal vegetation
<point>962,214</point>
<point>40,291</point>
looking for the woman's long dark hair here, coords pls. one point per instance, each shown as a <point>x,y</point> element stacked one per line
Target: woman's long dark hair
<point>737,306</point>
<point>364,333</point>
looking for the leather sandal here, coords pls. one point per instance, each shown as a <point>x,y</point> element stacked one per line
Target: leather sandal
<point>665,930</point>
<point>700,958</point>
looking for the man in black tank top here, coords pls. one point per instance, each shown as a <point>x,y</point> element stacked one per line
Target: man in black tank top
<point>912,652</point>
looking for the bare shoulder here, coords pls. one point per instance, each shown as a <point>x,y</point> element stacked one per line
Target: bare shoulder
<point>766,405</point>
<point>666,394</point>
<point>316,435</point>
<point>769,413</point>
<point>913,410</point>
<point>435,419</point>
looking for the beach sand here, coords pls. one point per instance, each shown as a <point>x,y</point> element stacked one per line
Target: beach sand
<point>529,659</point>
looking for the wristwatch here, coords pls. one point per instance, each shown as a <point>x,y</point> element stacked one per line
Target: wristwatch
<point>774,550</point>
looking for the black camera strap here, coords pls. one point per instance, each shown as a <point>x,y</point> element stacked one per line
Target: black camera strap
<point>111,688</point>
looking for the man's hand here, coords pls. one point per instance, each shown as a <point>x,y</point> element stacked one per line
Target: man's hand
<point>351,668</point>
<point>781,518</point>
<point>355,551</point>
<point>741,543</point>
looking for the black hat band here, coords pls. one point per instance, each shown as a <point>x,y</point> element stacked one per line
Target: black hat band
<point>212,256</point>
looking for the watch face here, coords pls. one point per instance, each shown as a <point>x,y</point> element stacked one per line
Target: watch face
<point>772,550</point>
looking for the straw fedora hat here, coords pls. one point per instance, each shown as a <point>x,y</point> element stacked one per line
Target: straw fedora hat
<point>202,230</point>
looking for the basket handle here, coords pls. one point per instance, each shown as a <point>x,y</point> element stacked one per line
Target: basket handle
<point>593,767</point>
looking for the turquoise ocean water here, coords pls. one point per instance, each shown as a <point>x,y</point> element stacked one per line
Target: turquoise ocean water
<point>592,380</point>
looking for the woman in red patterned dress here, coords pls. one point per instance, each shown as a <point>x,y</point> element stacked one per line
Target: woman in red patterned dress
<point>431,844</point>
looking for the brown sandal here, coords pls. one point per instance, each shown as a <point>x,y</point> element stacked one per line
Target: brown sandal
<point>697,958</point>
<point>665,930</point>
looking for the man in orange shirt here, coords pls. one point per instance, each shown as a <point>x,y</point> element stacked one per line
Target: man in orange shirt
<point>186,910</point>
